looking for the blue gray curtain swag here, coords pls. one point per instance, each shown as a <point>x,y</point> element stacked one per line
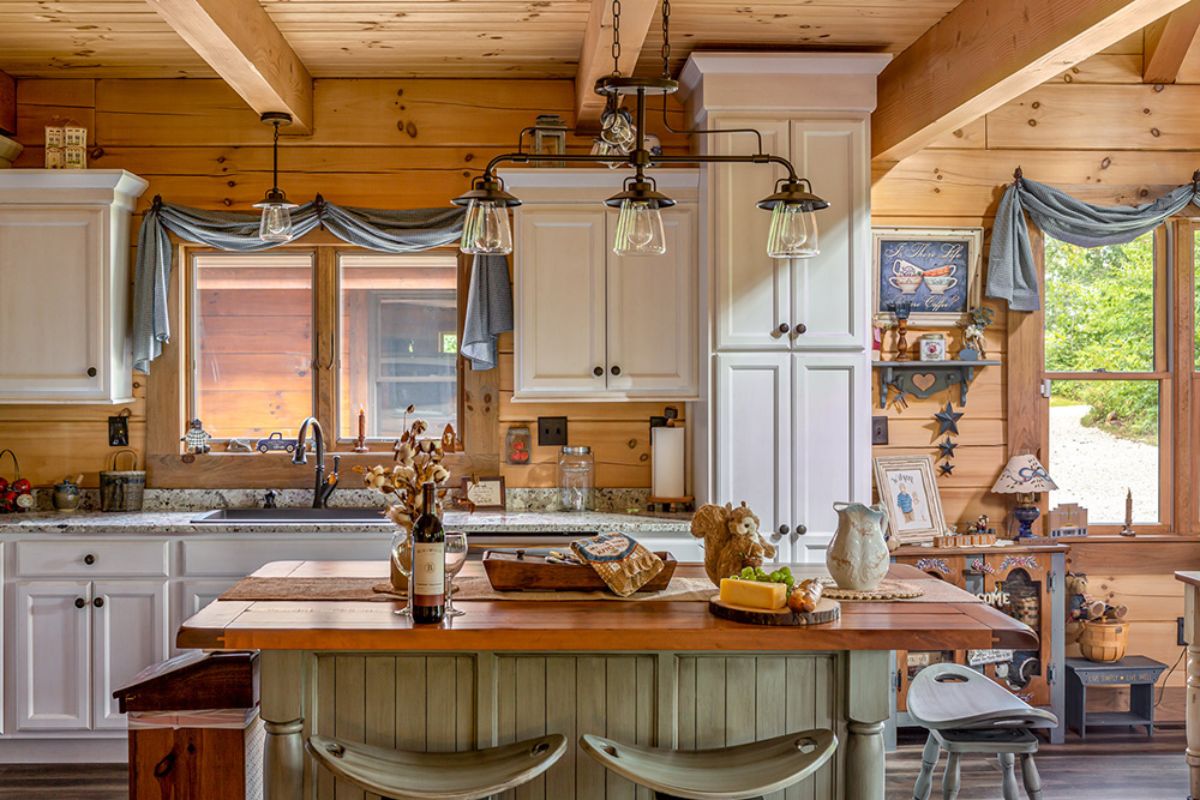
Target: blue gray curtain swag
<point>1012,275</point>
<point>489,298</point>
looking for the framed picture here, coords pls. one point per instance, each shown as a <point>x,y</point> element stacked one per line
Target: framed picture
<point>484,492</point>
<point>935,270</point>
<point>909,492</point>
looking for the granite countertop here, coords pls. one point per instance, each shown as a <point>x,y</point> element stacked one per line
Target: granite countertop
<point>176,523</point>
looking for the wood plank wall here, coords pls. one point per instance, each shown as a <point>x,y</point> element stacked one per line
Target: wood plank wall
<point>1100,133</point>
<point>384,143</point>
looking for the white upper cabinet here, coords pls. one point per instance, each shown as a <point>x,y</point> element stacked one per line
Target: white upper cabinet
<point>591,325</point>
<point>64,266</point>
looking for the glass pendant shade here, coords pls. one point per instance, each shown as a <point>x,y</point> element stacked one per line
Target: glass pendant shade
<point>486,230</point>
<point>793,232</point>
<point>276,222</point>
<point>639,229</point>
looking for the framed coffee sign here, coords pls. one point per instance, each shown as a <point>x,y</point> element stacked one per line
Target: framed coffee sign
<point>933,272</point>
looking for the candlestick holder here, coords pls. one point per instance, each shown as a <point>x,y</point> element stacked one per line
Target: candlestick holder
<point>1127,528</point>
<point>902,308</point>
<point>360,445</point>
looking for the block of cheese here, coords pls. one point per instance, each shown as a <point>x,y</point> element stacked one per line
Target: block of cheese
<point>753,594</point>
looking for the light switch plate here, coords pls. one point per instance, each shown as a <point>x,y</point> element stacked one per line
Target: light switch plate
<point>879,430</point>
<point>552,431</point>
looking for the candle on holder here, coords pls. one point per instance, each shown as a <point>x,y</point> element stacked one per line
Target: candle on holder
<point>1128,530</point>
<point>902,308</point>
<point>360,444</point>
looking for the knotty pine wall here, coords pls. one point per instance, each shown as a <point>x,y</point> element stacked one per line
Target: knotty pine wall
<point>381,143</point>
<point>1100,133</point>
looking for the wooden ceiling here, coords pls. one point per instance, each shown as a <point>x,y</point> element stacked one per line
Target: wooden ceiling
<point>450,38</point>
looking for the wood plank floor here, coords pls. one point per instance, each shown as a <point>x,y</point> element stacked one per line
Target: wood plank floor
<point>1107,767</point>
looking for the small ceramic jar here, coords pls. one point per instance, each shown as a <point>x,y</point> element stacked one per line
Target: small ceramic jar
<point>66,496</point>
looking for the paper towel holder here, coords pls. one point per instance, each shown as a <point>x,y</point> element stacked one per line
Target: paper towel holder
<point>668,465</point>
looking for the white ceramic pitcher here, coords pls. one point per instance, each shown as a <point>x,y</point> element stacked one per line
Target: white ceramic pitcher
<point>858,556</point>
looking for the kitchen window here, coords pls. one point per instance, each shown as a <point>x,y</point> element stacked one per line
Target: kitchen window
<point>275,337</point>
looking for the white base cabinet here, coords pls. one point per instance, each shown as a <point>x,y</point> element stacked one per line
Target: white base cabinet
<point>51,649</point>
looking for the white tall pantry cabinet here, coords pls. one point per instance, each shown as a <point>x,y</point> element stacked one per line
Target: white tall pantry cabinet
<point>784,416</point>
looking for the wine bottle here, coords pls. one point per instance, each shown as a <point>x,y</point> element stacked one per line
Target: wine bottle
<point>429,561</point>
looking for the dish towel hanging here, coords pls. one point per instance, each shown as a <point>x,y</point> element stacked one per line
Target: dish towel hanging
<point>489,311</point>
<point>388,231</point>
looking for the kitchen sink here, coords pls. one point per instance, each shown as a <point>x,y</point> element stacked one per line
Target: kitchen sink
<point>285,516</point>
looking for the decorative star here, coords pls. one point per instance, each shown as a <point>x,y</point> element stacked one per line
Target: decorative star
<point>947,447</point>
<point>946,468</point>
<point>948,420</point>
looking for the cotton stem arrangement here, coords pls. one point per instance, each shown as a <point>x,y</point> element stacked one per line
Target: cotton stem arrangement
<point>416,462</point>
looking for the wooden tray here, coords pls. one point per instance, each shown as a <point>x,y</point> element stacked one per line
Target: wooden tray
<point>827,610</point>
<point>528,570</point>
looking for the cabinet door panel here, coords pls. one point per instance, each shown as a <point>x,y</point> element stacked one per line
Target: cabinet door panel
<point>51,655</point>
<point>49,267</point>
<point>829,291</point>
<point>189,597</point>
<point>753,290</point>
<point>560,306</point>
<point>754,435</point>
<point>832,445</point>
<point>652,313</point>
<point>130,634</point>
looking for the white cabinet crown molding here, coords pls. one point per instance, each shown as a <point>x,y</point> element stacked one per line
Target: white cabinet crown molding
<point>71,187</point>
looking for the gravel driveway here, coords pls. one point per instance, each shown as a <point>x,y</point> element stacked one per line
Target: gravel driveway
<point>1093,468</point>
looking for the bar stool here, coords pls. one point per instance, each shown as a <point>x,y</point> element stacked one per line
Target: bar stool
<point>966,712</point>
<point>732,773</point>
<point>407,775</point>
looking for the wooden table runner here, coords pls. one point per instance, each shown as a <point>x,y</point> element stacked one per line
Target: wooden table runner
<point>466,588</point>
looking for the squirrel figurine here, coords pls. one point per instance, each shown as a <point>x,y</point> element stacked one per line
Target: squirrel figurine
<point>731,540</point>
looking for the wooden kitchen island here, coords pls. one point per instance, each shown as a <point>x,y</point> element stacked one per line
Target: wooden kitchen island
<point>660,673</point>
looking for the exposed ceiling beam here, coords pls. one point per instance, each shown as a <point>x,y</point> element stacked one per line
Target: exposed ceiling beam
<point>983,54</point>
<point>595,61</point>
<point>1167,43</point>
<point>238,39</point>
<point>8,104</point>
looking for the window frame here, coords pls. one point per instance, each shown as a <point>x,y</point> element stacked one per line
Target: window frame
<point>169,390</point>
<point>1179,459</point>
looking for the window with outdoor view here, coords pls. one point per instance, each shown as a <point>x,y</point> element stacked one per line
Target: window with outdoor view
<point>399,341</point>
<point>1108,379</point>
<point>252,342</point>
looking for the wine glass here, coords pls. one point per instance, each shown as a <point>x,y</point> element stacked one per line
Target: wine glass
<point>456,558</point>
<point>401,549</point>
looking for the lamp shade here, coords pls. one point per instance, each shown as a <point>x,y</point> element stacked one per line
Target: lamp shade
<point>1023,475</point>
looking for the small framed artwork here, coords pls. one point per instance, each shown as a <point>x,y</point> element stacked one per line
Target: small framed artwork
<point>909,492</point>
<point>485,493</point>
<point>932,271</point>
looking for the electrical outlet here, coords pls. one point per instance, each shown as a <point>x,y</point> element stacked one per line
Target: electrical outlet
<point>552,431</point>
<point>879,430</point>
<point>1180,636</point>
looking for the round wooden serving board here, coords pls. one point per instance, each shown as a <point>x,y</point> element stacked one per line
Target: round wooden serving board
<point>826,611</point>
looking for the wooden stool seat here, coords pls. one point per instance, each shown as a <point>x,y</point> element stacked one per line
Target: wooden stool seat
<point>966,712</point>
<point>731,773</point>
<point>406,775</point>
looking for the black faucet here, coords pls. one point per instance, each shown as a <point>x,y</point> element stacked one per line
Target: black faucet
<point>322,488</point>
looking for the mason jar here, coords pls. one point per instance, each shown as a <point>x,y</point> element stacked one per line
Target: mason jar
<point>576,478</point>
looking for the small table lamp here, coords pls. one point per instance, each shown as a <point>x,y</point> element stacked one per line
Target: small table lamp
<point>1024,477</point>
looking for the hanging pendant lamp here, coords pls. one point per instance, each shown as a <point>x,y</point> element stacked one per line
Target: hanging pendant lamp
<point>276,223</point>
<point>622,142</point>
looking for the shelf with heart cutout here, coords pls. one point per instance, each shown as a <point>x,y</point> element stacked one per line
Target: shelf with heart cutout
<point>926,378</point>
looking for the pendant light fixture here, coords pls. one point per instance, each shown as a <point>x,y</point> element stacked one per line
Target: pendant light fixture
<point>622,142</point>
<point>276,223</point>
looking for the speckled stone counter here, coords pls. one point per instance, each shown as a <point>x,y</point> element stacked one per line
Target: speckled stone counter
<point>176,523</point>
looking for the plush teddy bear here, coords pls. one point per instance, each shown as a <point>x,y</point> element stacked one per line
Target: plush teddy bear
<point>731,540</point>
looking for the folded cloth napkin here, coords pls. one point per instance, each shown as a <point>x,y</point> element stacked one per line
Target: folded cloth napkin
<point>623,564</point>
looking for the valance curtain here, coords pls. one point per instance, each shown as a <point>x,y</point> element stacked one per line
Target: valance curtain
<point>489,295</point>
<point>1012,274</point>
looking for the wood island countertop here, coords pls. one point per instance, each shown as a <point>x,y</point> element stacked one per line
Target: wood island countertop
<point>946,618</point>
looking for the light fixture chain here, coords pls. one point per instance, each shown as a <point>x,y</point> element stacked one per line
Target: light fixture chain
<point>275,158</point>
<point>666,38</point>
<point>616,43</point>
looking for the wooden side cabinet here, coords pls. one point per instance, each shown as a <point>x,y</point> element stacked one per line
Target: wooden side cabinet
<point>1026,582</point>
<point>64,266</point>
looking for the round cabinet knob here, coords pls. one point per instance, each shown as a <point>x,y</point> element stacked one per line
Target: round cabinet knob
<point>598,371</point>
<point>91,372</point>
<point>89,559</point>
<point>783,327</point>
<point>783,529</point>
<point>800,329</point>
<point>801,530</point>
<point>615,370</point>
<point>98,602</point>
<point>80,602</point>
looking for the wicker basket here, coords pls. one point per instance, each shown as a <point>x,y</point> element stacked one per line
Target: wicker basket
<point>122,489</point>
<point>1104,642</point>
